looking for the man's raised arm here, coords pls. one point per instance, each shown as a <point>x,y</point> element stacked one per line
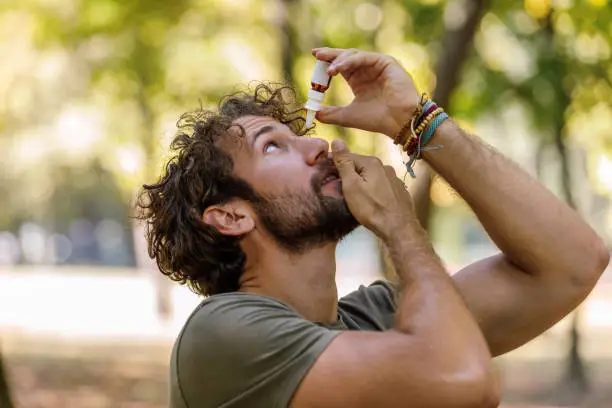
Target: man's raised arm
<point>436,356</point>
<point>550,260</point>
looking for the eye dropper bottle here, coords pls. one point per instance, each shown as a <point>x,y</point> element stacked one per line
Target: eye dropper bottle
<point>319,84</point>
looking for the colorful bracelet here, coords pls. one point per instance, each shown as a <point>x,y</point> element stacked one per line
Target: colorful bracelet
<point>433,126</point>
<point>427,108</point>
<point>427,124</point>
<point>423,125</point>
<point>423,109</point>
<point>428,117</point>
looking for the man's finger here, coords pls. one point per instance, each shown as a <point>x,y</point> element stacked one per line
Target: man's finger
<point>348,62</point>
<point>343,159</point>
<point>343,56</point>
<point>340,149</point>
<point>390,171</point>
<point>333,115</point>
<point>327,54</point>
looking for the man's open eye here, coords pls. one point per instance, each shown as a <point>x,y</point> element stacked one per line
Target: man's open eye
<point>270,147</point>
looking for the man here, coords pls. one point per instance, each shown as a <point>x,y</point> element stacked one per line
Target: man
<point>249,213</point>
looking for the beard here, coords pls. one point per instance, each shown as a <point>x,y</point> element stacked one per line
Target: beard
<point>305,219</point>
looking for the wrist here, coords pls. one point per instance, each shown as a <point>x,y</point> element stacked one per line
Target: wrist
<point>403,231</point>
<point>414,137</point>
<point>400,118</point>
<point>449,135</point>
<point>422,119</point>
<point>441,131</point>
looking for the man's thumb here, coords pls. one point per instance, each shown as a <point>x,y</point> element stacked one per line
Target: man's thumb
<point>332,115</point>
<point>339,146</point>
<point>342,158</point>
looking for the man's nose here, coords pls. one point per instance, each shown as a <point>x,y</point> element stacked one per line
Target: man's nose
<point>315,149</point>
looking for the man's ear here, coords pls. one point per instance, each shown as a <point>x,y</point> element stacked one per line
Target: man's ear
<point>232,218</point>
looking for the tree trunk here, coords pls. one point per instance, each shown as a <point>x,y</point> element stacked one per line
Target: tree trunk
<point>5,395</point>
<point>575,383</point>
<point>457,43</point>
<point>288,43</point>
<point>162,285</point>
<point>566,180</point>
<point>540,159</point>
<point>576,379</point>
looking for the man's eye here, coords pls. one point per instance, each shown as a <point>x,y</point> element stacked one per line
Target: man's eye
<point>270,147</point>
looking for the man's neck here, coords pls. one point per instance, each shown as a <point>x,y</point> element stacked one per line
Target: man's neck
<point>306,282</point>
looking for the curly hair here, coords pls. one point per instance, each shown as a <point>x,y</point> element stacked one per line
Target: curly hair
<point>200,174</point>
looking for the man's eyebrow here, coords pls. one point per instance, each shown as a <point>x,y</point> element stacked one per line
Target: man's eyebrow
<point>261,131</point>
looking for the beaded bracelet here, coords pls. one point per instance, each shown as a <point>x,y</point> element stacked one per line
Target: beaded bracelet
<point>424,107</point>
<point>428,107</point>
<point>433,126</point>
<point>423,125</point>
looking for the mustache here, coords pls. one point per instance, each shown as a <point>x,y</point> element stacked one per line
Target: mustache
<point>324,168</point>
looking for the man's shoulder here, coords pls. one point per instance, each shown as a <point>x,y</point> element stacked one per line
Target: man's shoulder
<point>237,304</point>
<point>370,307</point>
<point>251,349</point>
<point>221,317</point>
<point>381,292</point>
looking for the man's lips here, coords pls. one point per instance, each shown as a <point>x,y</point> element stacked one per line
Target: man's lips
<point>330,179</point>
<point>330,176</point>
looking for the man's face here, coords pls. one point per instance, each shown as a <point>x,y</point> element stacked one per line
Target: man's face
<point>300,200</point>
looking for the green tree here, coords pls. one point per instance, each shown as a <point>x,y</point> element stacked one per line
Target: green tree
<point>569,48</point>
<point>456,48</point>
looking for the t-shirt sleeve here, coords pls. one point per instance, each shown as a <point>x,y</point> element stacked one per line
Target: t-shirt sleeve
<point>246,351</point>
<point>372,307</point>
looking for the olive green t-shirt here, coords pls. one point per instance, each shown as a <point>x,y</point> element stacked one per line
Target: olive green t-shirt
<point>242,350</point>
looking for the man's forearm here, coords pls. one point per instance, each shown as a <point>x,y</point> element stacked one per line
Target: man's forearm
<point>430,307</point>
<point>533,228</point>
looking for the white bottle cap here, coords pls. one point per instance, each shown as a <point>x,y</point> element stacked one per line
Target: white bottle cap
<point>315,100</point>
<point>320,75</point>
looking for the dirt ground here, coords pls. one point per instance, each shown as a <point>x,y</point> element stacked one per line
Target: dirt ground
<point>105,354</point>
<point>132,374</point>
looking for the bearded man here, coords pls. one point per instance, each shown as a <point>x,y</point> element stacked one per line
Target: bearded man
<point>249,212</point>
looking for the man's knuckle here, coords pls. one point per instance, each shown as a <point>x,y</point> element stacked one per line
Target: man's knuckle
<point>390,59</point>
<point>359,158</point>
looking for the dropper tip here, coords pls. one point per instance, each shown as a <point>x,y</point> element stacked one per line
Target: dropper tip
<point>310,116</point>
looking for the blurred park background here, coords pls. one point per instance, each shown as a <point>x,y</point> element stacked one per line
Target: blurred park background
<point>90,91</point>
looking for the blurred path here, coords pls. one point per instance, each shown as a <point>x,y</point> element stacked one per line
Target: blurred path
<point>120,303</point>
<point>105,304</point>
<point>100,303</point>
<point>116,303</point>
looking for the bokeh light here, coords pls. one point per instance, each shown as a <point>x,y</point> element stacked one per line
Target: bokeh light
<point>90,95</point>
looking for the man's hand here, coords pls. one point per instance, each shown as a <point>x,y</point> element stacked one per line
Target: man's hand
<point>385,95</point>
<point>435,343</point>
<point>376,197</point>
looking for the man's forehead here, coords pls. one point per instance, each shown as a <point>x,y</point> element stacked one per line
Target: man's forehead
<point>246,129</point>
<point>252,123</point>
